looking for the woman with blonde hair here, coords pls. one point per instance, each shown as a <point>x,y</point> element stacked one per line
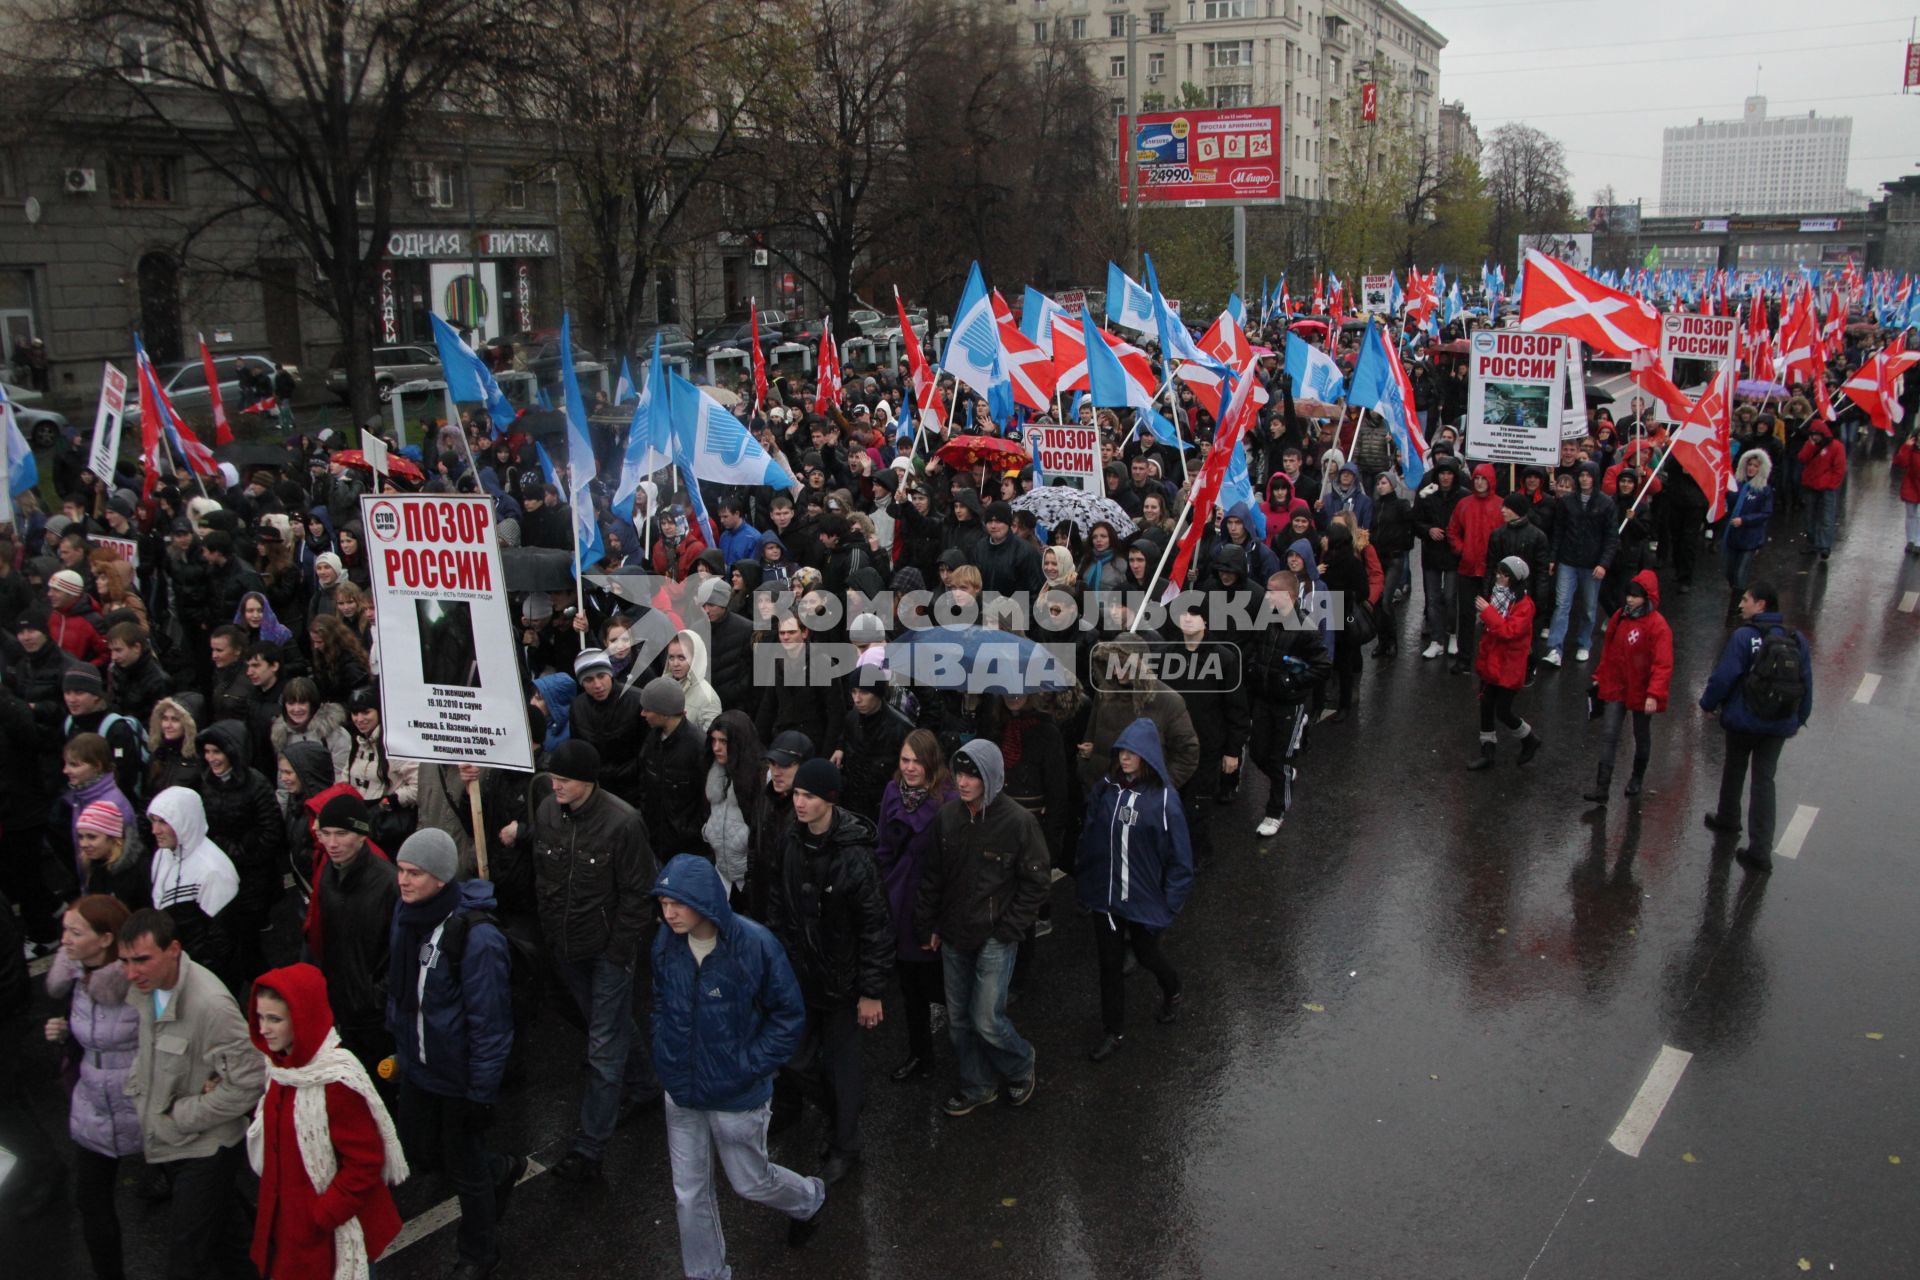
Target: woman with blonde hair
<point>101,1118</point>
<point>173,755</point>
<point>113,584</point>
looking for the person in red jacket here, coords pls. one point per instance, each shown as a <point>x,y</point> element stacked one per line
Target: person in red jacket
<point>321,1140</point>
<point>1907,463</point>
<point>74,624</point>
<point>1475,518</point>
<point>677,549</point>
<point>1823,469</point>
<point>1506,639</point>
<point>1635,673</point>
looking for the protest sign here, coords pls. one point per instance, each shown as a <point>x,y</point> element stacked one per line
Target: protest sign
<point>1516,387</point>
<point>127,549</point>
<point>1709,340</point>
<point>1573,419</point>
<point>106,424</point>
<point>449,679</point>
<point>1376,294</point>
<point>1068,454</point>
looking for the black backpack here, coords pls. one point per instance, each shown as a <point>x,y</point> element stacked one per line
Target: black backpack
<point>1775,684</point>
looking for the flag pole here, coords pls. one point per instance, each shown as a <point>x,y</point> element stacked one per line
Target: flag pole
<point>1172,542</point>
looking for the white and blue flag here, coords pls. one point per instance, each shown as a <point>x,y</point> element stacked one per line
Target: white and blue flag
<point>1315,376</point>
<point>467,377</point>
<point>1129,305</point>
<point>973,349</point>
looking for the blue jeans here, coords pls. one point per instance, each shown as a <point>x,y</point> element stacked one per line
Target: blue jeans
<point>619,1059</point>
<point>986,1048</point>
<point>1739,564</point>
<point>1567,580</point>
<point>1823,514</point>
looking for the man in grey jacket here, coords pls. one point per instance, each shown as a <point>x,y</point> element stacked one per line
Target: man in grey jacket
<point>195,1081</point>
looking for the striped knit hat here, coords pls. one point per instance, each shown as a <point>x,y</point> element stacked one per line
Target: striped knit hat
<point>102,816</point>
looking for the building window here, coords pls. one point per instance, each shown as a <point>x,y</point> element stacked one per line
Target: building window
<point>1117,26</point>
<point>435,183</point>
<point>1214,10</point>
<point>1039,33</point>
<point>141,178</point>
<point>363,191</point>
<point>1119,106</point>
<point>143,56</point>
<point>1156,22</point>
<point>1233,95</point>
<point>1156,64</point>
<point>1076,28</point>
<point>1117,67</point>
<point>516,194</point>
<point>1230,53</point>
<point>9,176</point>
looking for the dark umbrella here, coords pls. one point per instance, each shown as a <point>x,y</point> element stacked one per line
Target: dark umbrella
<point>977,660</point>
<point>537,568</point>
<point>541,423</point>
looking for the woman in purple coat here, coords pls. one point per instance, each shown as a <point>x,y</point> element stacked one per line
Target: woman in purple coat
<point>106,1031</point>
<point>907,808</point>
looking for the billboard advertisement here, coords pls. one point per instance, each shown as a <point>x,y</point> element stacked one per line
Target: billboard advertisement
<point>1613,219</point>
<point>1199,158</point>
<point>1575,248</point>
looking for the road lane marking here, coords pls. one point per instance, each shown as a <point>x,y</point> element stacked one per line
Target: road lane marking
<point>1868,683</point>
<point>1910,601</point>
<point>1796,833</point>
<point>419,1227</point>
<point>1644,1112</point>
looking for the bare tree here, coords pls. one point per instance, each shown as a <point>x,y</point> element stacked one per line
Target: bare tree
<point>654,101</point>
<point>1526,176</point>
<point>293,105</point>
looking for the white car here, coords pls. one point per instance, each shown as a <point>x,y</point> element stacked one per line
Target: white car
<point>185,384</point>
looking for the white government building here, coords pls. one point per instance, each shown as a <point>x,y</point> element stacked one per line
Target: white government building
<point>1758,164</point>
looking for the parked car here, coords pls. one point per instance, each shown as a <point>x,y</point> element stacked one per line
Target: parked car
<point>675,342</point>
<point>391,365</point>
<point>185,384</point>
<point>737,334</point>
<point>41,427</point>
<point>540,356</point>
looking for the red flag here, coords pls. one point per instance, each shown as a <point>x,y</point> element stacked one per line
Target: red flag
<point>269,405</point>
<point>1875,386</point>
<point>1801,356</point>
<point>827,372</point>
<point>1228,341</point>
<point>1700,443</point>
<point>149,427</point>
<point>222,433</point>
<point>1070,356</point>
<point>759,358</point>
<point>1233,425</point>
<point>1029,368</point>
<point>1558,299</point>
<point>1651,377</point>
<point>1759,341</point>
<point>926,390</point>
<point>1821,400</point>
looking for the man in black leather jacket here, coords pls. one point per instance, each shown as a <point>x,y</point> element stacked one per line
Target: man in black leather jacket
<point>827,908</point>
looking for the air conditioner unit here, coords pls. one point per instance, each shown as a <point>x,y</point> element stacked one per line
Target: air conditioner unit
<point>760,257</point>
<point>80,181</point>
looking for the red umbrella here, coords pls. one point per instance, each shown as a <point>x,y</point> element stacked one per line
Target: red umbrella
<point>402,468</point>
<point>1309,328</point>
<point>964,451</point>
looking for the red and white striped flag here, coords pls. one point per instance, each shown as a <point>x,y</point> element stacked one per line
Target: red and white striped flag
<point>1701,442</point>
<point>1558,299</point>
<point>1029,368</point>
<point>827,371</point>
<point>222,433</point>
<point>1875,386</point>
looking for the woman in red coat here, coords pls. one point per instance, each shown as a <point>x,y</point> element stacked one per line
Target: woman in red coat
<point>321,1140</point>
<point>1635,673</point>
<point>1506,637</point>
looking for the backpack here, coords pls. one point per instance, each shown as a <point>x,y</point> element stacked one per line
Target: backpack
<point>1775,685</point>
<point>523,983</point>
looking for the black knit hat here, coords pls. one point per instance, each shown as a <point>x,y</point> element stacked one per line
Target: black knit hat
<point>818,776</point>
<point>576,760</point>
<point>346,812</point>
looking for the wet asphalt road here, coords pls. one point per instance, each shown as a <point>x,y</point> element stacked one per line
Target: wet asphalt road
<point>1413,1022</point>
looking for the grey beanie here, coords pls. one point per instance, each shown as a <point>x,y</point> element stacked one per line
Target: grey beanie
<point>866,629</point>
<point>433,851</point>
<point>715,591</point>
<point>1516,568</point>
<point>663,696</point>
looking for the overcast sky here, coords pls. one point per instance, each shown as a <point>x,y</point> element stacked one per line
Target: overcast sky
<point>1606,76</point>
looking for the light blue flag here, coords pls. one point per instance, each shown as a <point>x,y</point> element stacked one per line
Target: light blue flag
<point>1175,342</point>
<point>1237,486</point>
<point>581,467</point>
<point>649,435</point>
<point>1237,309</point>
<point>1162,430</point>
<point>1315,375</point>
<point>23,470</point>
<point>467,377</point>
<point>1128,304</point>
<point>710,443</point>
<point>1379,382</point>
<point>1036,318</point>
<point>972,354</point>
<point>1108,381</point>
<point>624,390</point>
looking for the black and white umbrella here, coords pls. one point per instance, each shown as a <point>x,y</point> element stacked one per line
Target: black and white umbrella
<point>1055,504</point>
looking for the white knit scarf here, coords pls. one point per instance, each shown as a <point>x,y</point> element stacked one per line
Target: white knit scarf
<point>331,1065</point>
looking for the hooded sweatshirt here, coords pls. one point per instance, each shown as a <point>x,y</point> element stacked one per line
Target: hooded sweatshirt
<point>1474,519</point>
<point>1636,663</point>
<point>1136,859</point>
<point>989,869</point>
<point>322,1143</point>
<point>703,704</point>
<point>194,881</point>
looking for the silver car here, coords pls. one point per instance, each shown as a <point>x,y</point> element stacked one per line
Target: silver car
<point>185,384</point>
<point>391,366</point>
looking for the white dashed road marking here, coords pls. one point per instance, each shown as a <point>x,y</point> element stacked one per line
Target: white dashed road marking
<point>1796,833</point>
<point>1868,683</point>
<point>1662,1078</point>
<point>418,1228</point>
<point>1910,601</point>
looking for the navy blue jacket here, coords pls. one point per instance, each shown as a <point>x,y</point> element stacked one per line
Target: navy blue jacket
<point>451,1040</point>
<point>1586,534</point>
<point>1754,510</point>
<point>1726,687</point>
<point>1136,858</point>
<point>722,1027</point>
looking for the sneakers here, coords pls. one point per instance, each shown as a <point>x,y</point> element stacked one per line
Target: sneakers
<point>801,1230</point>
<point>1020,1092</point>
<point>1108,1046</point>
<point>960,1104</point>
<point>577,1168</point>
<point>1453,644</point>
<point>1553,658</point>
<point>1579,655</point>
<point>1268,827</point>
<point>1169,1008</point>
<point>1433,650</point>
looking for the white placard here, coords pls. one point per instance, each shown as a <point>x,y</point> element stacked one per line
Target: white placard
<point>374,450</point>
<point>106,425</point>
<point>1573,421</point>
<point>1712,339</point>
<point>1516,385</point>
<point>127,549</point>
<point>1068,453</point>
<point>449,679</point>
<point>1376,294</point>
